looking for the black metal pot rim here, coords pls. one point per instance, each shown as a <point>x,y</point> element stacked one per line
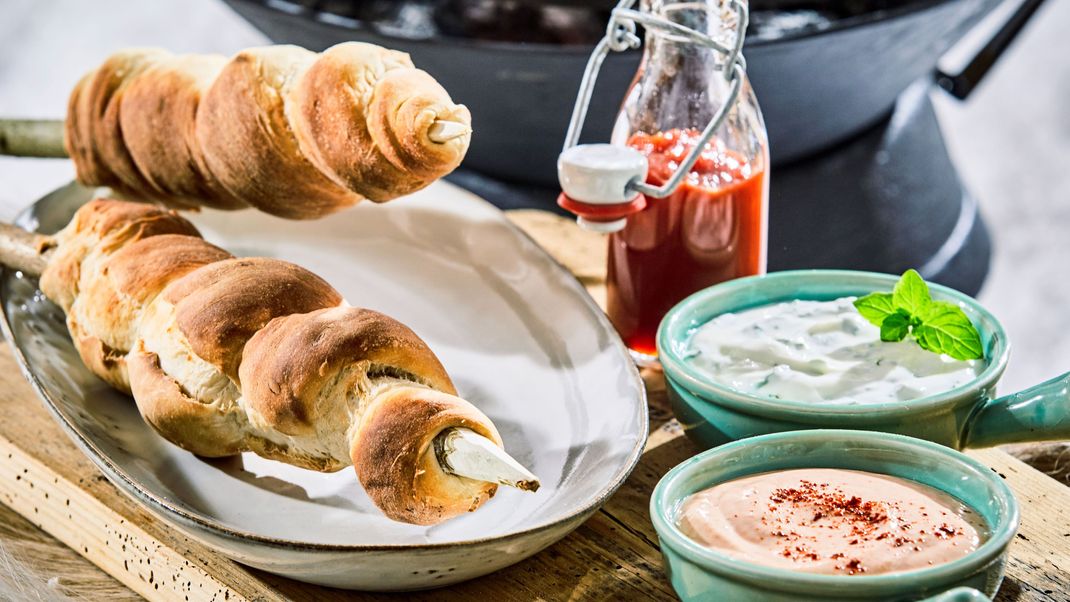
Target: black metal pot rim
<point>837,25</point>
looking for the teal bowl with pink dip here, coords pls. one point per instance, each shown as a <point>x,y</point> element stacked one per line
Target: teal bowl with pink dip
<point>699,572</point>
<point>970,414</point>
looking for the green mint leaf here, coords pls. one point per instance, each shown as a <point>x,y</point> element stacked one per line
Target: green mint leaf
<point>875,307</point>
<point>911,293</point>
<point>945,328</point>
<point>937,326</point>
<point>895,327</point>
<point>937,308</point>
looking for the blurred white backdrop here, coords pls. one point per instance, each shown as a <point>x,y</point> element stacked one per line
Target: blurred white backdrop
<point>1011,140</point>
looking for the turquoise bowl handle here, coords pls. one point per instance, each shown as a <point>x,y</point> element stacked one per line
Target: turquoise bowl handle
<point>1039,413</point>
<point>959,594</point>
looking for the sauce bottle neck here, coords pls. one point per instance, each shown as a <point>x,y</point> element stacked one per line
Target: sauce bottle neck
<point>681,84</point>
<point>715,18</point>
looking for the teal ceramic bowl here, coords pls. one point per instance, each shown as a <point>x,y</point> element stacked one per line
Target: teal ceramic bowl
<point>699,573</point>
<point>967,416</point>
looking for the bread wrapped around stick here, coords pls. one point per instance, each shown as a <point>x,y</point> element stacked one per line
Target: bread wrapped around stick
<point>225,355</point>
<point>295,133</point>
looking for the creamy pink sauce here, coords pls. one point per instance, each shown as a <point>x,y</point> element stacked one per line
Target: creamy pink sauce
<point>839,522</point>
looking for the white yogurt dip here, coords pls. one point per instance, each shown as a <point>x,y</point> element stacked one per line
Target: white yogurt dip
<point>821,352</point>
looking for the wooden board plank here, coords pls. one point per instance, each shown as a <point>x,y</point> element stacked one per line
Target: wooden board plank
<point>47,480</point>
<point>1039,567</point>
<point>614,555</point>
<point>39,559</point>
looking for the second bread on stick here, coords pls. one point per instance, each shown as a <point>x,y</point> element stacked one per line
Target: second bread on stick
<point>288,131</point>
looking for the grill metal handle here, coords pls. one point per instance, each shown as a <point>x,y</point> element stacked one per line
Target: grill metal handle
<point>965,65</point>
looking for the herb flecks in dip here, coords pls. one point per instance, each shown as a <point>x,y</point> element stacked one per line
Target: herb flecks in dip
<point>832,521</point>
<point>822,352</point>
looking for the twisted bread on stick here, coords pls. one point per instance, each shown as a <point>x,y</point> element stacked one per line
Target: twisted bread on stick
<point>225,355</point>
<point>291,132</point>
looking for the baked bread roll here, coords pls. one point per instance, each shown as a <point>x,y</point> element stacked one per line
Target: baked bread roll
<point>225,355</point>
<point>288,131</point>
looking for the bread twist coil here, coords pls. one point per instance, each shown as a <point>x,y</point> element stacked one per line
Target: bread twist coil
<point>225,355</point>
<point>291,132</point>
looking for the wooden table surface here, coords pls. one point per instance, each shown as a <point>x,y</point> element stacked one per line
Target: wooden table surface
<point>65,519</point>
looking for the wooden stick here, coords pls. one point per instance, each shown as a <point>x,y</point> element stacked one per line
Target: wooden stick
<point>441,131</point>
<point>466,453</point>
<point>24,251</point>
<point>44,137</point>
<point>32,138</point>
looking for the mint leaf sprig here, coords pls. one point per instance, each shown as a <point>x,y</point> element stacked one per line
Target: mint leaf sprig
<point>937,326</point>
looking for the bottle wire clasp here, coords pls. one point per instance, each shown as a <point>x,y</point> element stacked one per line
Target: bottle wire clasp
<point>575,169</point>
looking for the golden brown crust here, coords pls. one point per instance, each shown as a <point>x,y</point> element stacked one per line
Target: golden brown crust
<point>158,124</point>
<point>402,111</point>
<point>212,430</point>
<point>90,138</point>
<point>247,142</point>
<point>142,269</point>
<point>220,306</point>
<point>395,460</point>
<point>78,141</point>
<point>293,133</point>
<point>346,119</point>
<point>101,227</point>
<point>104,318</point>
<point>98,135</point>
<point>291,368</point>
<point>101,359</point>
<point>101,217</point>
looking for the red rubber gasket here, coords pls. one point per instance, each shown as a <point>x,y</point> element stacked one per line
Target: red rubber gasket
<point>601,213</point>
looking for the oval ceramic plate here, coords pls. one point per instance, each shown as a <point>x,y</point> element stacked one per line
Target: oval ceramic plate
<point>519,335</point>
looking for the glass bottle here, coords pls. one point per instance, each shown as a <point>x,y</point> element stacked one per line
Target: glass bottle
<point>713,228</point>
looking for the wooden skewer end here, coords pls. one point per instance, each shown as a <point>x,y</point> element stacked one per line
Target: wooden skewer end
<point>24,251</point>
<point>466,453</point>
<point>443,131</point>
<point>32,138</point>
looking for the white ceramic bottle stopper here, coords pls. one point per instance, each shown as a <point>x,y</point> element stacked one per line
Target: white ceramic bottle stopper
<point>595,182</point>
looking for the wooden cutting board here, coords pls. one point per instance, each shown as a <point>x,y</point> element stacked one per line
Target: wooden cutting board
<point>613,556</point>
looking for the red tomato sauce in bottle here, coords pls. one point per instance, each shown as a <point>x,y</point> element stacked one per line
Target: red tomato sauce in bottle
<point>712,229</point>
